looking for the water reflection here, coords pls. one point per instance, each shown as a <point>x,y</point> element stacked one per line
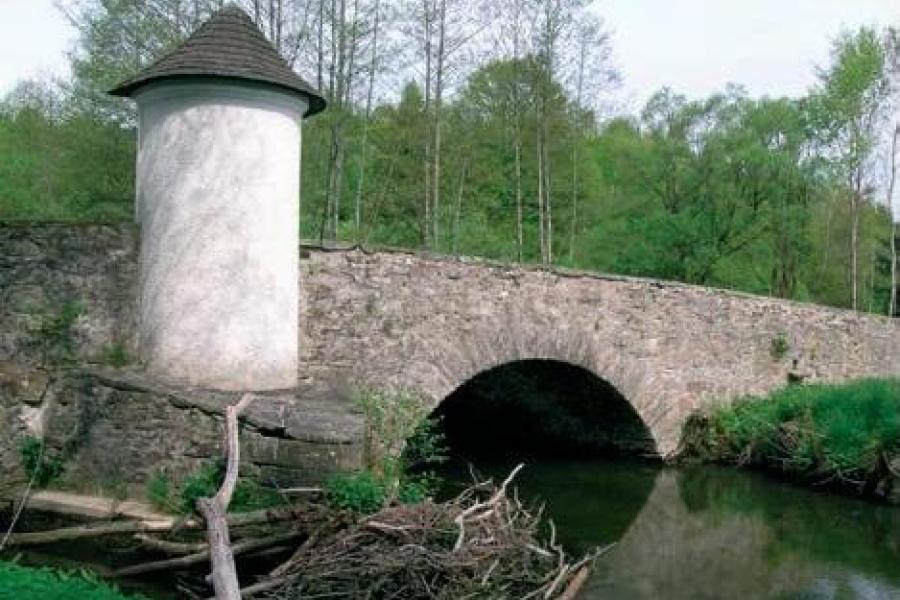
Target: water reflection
<point>717,533</point>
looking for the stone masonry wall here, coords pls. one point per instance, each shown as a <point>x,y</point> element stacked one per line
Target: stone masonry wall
<point>429,324</point>
<point>46,268</point>
<point>407,320</point>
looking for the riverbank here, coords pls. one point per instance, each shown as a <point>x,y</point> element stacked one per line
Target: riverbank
<point>482,541</point>
<point>844,437</point>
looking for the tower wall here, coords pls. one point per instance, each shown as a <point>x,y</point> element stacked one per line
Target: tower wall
<point>218,188</point>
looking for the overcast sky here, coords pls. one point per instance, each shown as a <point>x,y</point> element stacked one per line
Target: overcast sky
<point>693,46</point>
<point>697,46</point>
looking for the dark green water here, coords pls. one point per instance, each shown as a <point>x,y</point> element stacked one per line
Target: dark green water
<point>710,532</point>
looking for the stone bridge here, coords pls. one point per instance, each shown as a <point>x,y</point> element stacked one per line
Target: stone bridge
<point>429,323</point>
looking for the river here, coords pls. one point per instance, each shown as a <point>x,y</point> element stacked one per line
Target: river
<point>711,532</point>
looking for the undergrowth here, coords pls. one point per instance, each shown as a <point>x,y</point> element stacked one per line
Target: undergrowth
<point>26,583</point>
<point>403,444</point>
<point>826,432</point>
<point>248,493</point>
<point>38,463</point>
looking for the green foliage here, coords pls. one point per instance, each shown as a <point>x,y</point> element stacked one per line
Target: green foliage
<point>38,463</point>
<point>727,191</point>
<point>160,492</point>
<point>365,492</point>
<point>361,492</point>
<point>401,437</point>
<point>779,347</point>
<point>416,489</point>
<point>403,444</point>
<point>202,484</point>
<point>116,355</point>
<point>816,430</point>
<point>54,335</point>
<point>58,165</point>
<point>248,494</point>
<point>24,583</point>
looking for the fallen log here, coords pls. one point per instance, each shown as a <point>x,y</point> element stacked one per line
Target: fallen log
<point>180,562</point>
<point>86,531</point>
<point>257,517</point>
<point>169,547</point>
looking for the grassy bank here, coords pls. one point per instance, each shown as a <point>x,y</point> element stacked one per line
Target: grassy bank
<point>845,436</point>
<point>26,583</point>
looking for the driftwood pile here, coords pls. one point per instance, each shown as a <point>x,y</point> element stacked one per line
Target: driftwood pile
<point>483,544</point>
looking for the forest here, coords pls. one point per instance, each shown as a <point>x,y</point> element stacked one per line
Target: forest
<point>491,129</point>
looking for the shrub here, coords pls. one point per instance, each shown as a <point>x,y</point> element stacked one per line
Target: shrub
<point>361,492</point>
<point>54,336</point>
<point>160,493</point>
<point>37,463</point>
<point>248,494</point>
<point>779,347</point>
<point>401,438</point>
<point>202,484</point>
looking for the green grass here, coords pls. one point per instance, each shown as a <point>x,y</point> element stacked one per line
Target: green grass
<point>842,431</point>
<point>26,583</point>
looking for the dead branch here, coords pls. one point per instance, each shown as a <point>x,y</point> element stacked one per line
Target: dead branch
<point>224,573</point>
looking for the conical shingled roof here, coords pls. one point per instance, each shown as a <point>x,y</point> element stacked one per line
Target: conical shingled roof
<point>228,45</point>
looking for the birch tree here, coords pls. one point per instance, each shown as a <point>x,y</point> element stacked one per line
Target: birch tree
<point>849,105</point>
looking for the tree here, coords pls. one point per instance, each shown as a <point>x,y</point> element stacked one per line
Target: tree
<point>848,107</point>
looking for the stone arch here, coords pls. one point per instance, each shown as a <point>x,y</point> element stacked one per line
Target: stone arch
<point>543,406</point>
<point>436,362</point>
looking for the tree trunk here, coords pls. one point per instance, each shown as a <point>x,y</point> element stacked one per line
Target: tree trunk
<point>582,51</point>
<point>855,194</point>
<point>459,196</point>
<point>517,114</point>
<point>368,116</point>
<point>438,97</point>
<point>540,195</point>
<point>892,307</point>
<point>272,22</point>
<point>572,232</point>
<point>426,21</point>
<point>547,195</point>
<point>320,46</point>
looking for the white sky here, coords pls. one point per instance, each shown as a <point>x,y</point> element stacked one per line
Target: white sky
<point>694,46</point>
<point>34,38</point>
<point>697,46</point>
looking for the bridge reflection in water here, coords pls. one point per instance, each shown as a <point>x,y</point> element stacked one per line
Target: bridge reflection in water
<point>691,533</point>
<point>715,533</point>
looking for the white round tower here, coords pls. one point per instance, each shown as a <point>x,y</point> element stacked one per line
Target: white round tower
<point>218,191</point>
